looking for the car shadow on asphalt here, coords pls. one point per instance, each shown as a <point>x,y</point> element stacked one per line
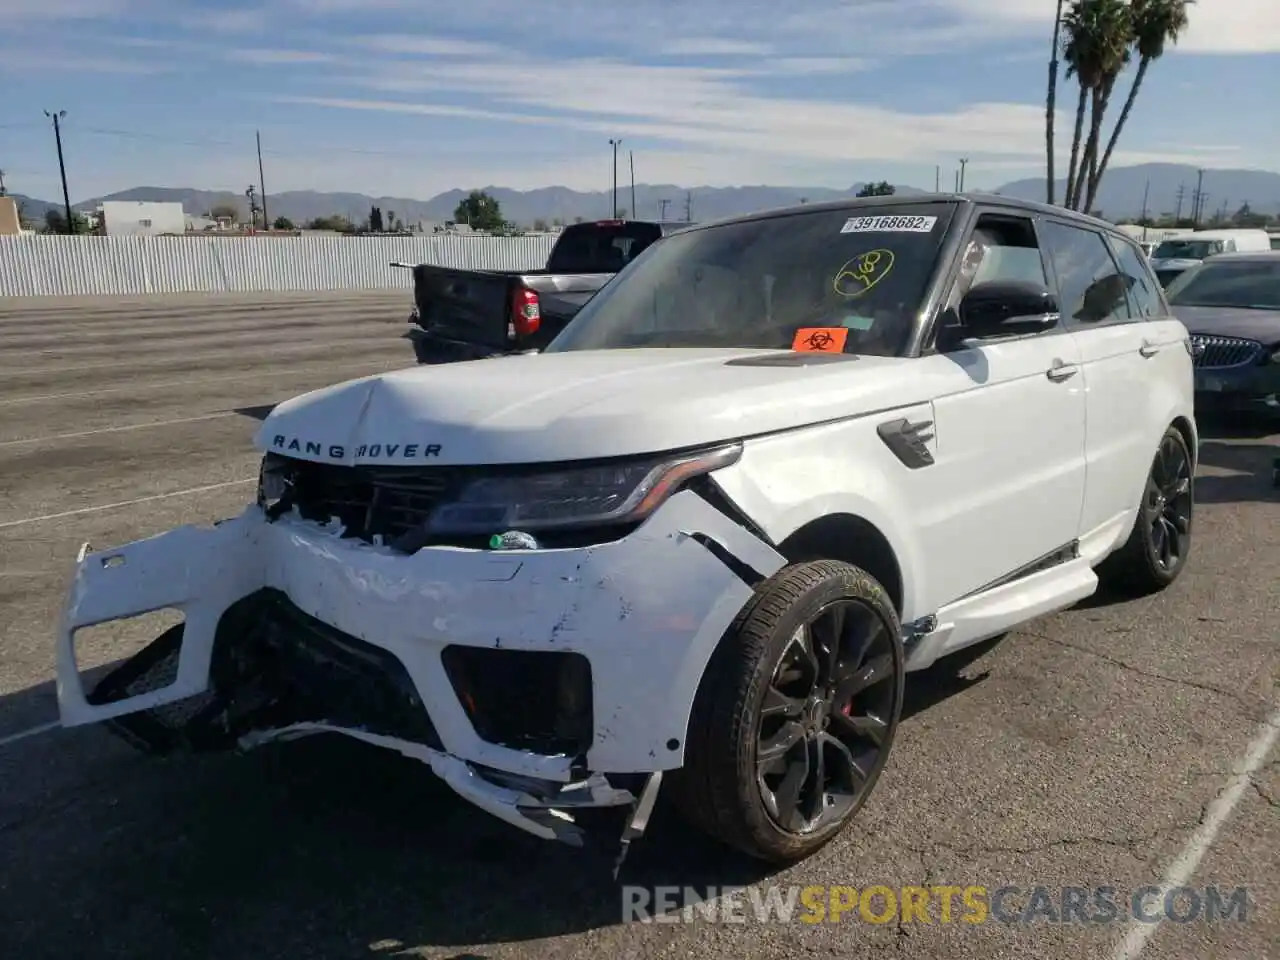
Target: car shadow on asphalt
<point>260,412</point>
<point>1246,451</point>
<point>322,847</point>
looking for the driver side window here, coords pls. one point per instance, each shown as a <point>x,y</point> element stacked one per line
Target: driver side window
<point>1001,247</point>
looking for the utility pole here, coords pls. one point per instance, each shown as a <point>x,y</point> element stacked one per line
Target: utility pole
<point>614,144</point>
<point>262,182</point>
<point>1146,193</point>
<point>964,162</point>
<point>631,155</point>
<point>57,117</point>
<point>956,178</point>
<point>662,210</point>
<point>1198,204</point>
<point>1179,196</point>
<point>937,179</point>
<point>688,206</point>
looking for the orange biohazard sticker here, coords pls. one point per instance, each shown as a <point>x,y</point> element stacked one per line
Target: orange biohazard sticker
<point>820,339</point>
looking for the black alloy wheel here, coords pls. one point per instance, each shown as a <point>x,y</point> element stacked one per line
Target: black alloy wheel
<point>1160,542</point>
<point>1168,504</point>
<point>796,713</point>
<point>825,717</point>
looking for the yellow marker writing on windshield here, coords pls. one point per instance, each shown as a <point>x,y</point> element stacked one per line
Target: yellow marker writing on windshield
<point>863,272</point>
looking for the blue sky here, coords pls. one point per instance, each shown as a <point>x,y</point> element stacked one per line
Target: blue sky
<point>412,97</point>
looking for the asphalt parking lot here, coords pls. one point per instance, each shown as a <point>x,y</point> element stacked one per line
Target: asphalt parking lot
<point>1102,746</point>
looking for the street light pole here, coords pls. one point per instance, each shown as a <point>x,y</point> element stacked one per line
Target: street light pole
<point>62,166</point>
<point>262,182</point>
<point>615,144</point>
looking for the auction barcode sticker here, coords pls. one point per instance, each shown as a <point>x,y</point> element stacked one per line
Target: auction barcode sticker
<point>889,225</point>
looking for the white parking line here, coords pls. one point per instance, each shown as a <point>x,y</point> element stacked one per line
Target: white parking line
<point>136,387</point>
<point>1181,870</point>
<point>131,426</point>
<point>33,732</point>
<point>124,503</point>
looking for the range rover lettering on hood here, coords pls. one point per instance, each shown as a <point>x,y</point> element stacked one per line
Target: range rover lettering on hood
<point>403,451</point>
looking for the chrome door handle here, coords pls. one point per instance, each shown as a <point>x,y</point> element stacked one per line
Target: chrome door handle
<point>1148,349</point>
<point>1061,371</point>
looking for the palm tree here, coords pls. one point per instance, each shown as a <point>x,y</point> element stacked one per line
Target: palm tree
<point>1051,103</point>
<point>1156,23</point>
<point>1098,34</point>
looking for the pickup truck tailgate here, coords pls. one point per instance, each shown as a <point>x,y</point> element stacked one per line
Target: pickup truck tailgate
<point>472,306</point>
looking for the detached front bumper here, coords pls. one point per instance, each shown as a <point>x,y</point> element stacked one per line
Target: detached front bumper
<point>290,605</point>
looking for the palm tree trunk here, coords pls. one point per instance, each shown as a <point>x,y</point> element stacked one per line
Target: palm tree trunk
<point>1096,178</point>
<point>1075,146</point>
<point>1051,102</point>
<point>1090,147</point>
<point>1095,141</point>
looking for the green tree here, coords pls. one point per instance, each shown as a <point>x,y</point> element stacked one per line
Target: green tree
<point>1154,24</point>
<point>375,220</point>
<point>882,189</point>
<point>479,211</point>
<point>1096,49</point>
<point>332,222</point>
<point>283,223</point>
<point>55,221</point>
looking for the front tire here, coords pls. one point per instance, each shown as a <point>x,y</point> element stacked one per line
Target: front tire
<point>797,713</point>
<point>1156,552</point>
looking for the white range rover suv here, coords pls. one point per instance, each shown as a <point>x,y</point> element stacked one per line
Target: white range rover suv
<point>776,465</point>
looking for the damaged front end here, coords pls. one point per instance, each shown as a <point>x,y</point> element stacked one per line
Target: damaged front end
<point>539,684</point>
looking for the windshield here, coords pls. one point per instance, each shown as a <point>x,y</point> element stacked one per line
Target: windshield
<point>855,278</point>
<point>1187,249</point>
<point>1243,283</point>
<point>604,247</point>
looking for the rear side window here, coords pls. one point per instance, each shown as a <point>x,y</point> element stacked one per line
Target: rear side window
<point>1091,289</point>
<point>604,247</point>
<point>1144,289</point>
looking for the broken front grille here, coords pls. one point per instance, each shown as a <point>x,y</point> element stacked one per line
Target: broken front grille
<point>1212,351</point>
<point>371,502</point>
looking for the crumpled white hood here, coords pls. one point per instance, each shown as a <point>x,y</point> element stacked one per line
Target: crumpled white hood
<point>578,405</point>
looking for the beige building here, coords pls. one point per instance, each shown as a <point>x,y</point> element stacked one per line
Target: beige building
<point>9,223</point>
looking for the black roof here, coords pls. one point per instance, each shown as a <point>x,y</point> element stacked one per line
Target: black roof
<point>899,201</point>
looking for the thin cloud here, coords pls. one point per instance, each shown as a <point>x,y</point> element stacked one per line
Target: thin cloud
<point>711,47</point>
<point>427,46</point>
<point>268,57</point>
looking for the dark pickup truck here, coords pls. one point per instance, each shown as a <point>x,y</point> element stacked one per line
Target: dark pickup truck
<point>469,314</point>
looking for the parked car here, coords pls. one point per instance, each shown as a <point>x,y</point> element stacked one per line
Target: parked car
<point>1176,255</point>
<point>470,314</point>
<point>777,465</point>
<point>1231,306</point>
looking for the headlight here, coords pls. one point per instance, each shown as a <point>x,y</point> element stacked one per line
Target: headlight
<point>574,497</point>
<point>275,481</point>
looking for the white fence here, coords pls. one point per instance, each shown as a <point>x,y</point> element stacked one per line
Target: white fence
<point>42,266</point>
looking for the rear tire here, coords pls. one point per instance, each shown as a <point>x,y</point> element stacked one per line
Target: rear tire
<point>1158,547</point>
<point>796,713</point>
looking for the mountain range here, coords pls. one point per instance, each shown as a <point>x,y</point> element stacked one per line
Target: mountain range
<point>1122,195</point>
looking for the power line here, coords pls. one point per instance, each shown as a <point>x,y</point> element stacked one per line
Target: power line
<point>300,150</point>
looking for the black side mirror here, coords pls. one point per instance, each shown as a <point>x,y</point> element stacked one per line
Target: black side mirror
<point>1004,308</point>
